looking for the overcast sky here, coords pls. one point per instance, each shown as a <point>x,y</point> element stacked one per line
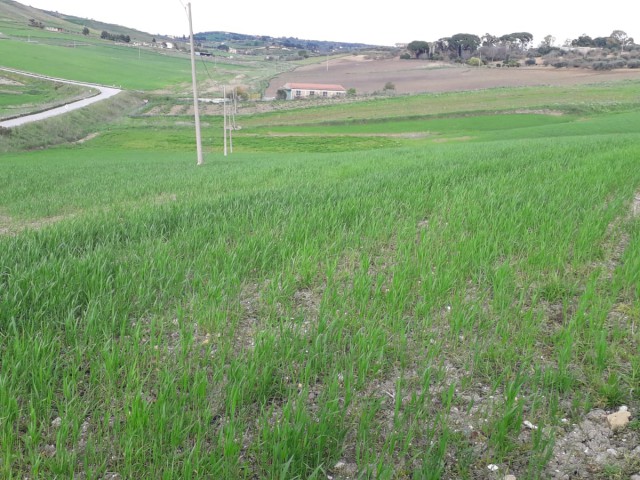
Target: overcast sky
<point>380,23</point>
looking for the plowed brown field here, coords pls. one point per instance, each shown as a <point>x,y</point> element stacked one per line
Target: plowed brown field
<point>414,76</point>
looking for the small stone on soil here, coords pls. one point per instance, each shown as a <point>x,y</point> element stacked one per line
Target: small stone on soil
<point>49,451</point>
<point>618,420</point>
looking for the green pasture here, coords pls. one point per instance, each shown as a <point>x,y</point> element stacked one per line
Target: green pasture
<point>480,127</point>
<point>106,64</point>
<point>336,298</point>
<point>122,66</point>
<point>578,99</point>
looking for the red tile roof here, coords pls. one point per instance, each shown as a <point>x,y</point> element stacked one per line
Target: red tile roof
<point>315,86</point>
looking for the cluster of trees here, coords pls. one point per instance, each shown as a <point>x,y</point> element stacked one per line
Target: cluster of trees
<point>615,51</point>
<point>601,53</point>
<point>35,23</point>
<point>465,45</point>
<point>115,37</point>
<point>617,40</point>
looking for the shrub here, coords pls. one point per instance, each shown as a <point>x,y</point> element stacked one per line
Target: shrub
<point>601,65</point>
<point>474,62</point>
<point>577,63</point>
<point>546,49</point>
<point>530,61</point>
<point>242,93</point>
<point>405,56</point>
<point>560,64</point>
<point>351,92</point>
<point>633,64</point>
<point>619,63</point>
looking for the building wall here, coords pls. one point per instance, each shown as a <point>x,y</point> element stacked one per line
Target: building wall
<point>301,93</point>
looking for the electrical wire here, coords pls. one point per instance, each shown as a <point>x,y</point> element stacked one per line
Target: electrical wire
<point>206,68</point>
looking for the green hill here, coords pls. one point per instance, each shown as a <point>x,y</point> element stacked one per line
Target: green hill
<point>22,20</point>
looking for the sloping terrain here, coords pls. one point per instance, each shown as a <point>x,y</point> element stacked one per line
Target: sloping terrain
<point>17,16</point>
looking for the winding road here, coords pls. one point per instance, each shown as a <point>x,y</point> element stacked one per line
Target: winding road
<point>105,92</point>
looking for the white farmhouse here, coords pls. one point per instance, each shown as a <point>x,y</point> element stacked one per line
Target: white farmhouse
<point>310,90</point>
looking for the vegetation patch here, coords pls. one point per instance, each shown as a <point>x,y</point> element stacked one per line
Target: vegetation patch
<point>337,297</point>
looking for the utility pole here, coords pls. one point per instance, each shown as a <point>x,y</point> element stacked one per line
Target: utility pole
<point>195,89</point>
<point>233,121</point>
<point>224,121</point>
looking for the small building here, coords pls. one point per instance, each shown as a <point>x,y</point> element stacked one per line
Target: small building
<point>310,90</point>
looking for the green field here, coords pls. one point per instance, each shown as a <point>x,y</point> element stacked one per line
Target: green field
<point>107,64</point>
<point>385,289</point>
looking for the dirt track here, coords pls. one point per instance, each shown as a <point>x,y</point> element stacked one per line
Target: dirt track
<point>413,76</point>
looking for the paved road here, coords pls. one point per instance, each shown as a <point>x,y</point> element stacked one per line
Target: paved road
<point>105,92</point>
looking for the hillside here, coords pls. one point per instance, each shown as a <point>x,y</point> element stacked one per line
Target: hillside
<point>16,19</point>
<point>241,40</point>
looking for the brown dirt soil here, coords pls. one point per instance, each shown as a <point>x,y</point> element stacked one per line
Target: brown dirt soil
<point>10,226</point>
<point>414,76</point>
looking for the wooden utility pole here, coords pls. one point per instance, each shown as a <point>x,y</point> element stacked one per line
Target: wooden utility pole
<point>224,118</point>
<point>195,89</point>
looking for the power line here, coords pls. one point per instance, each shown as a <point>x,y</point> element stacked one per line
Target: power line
<point>206,68</point>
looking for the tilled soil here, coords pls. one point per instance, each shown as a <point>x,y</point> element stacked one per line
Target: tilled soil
<point>415,76</point>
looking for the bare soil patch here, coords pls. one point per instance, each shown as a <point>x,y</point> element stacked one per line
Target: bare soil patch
<point>415,76</point>
<point>11,226</point>
<point>588,447</point>
<point>8,81</point>
<point>177,109</point>
<point>91,136</point>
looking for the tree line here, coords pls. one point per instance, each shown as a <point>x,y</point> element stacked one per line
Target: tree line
<point>492,48</point>
<point>464,44</point>
<point>115,37</point>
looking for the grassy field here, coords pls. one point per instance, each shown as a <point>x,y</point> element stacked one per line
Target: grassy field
<point>107,64</point>
<point>578,99</point>
<point>146,69</point>
<point>390,296</point>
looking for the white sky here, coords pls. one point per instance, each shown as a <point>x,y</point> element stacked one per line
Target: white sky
<point>379,23</point>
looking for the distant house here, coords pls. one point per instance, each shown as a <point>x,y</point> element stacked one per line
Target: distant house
<point>310,90</point>
<point>54,29</point>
